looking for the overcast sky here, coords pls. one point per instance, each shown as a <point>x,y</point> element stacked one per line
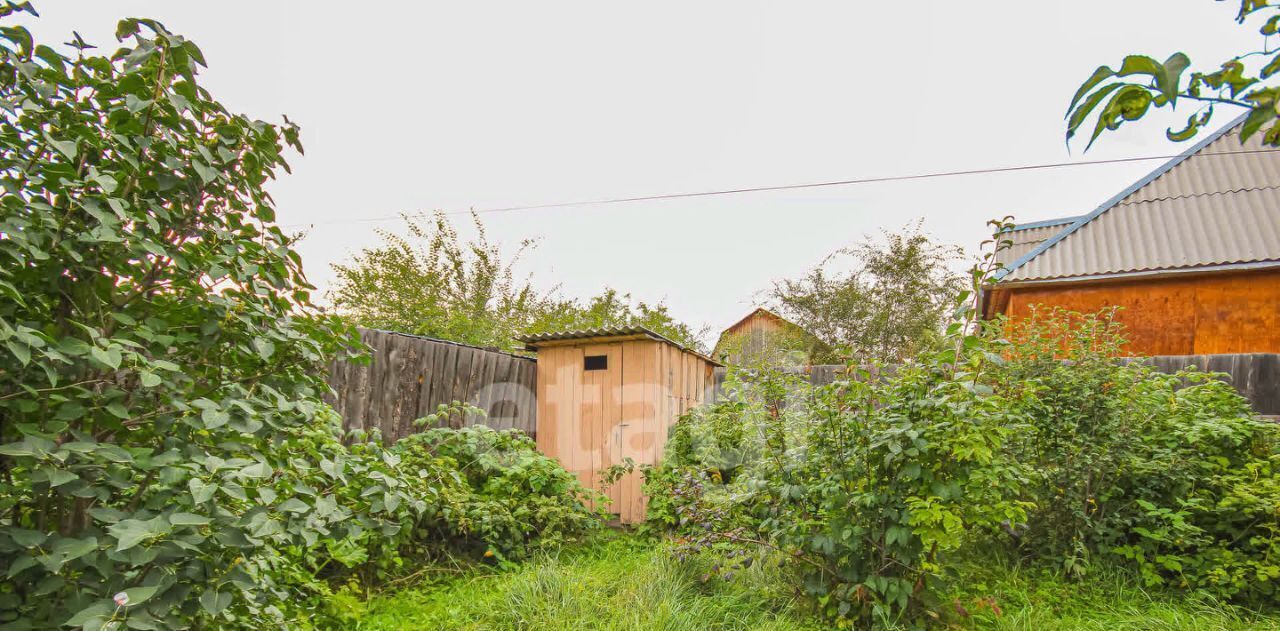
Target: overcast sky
<point>416,106</point>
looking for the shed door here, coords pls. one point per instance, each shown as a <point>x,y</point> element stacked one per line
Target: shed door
<point>602,426</point>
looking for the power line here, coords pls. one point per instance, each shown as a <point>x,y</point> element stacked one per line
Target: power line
<point>781,187</point>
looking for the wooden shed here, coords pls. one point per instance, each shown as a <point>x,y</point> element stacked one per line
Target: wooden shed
<point>605,395</point>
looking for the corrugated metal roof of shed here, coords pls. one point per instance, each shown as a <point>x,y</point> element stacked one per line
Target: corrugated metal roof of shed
<point>1218,204</point>
<point>532,341</point>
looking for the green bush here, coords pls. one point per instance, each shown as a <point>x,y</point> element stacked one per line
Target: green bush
<point>1171,472</point>
<point>157,344</point>
<point>1036,438</point>
<point>166,460</point>
<point>513,499</point>
<point>864,485</point>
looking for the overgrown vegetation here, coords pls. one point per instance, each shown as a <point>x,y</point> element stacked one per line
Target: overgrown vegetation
<point>166,461</point>
<point>1036,442</point>
<point>631,584</point>
<point>891,305</point>
<point>437,284</point>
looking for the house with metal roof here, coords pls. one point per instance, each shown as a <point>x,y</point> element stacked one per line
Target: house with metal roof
<point>1190,252</point>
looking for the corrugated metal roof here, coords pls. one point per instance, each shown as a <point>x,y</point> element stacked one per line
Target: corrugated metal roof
<point>532,341</point>
<point>1026,237</point>
<point>1217,204</point>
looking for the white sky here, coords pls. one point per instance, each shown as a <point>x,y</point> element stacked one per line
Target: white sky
<point>415,106</point>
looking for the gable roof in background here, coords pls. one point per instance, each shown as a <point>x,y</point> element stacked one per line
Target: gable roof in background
<point>1216,205</point>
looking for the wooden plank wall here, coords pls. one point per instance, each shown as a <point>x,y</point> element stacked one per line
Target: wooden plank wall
<point>590,420</point>
<point>409,376</point>
<point>1209,314</point>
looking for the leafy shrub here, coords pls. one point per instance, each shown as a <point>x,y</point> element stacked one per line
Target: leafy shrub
<point>1172,472</point>
<point>515,499</point>
<point>156,344</point>
<point>862,484</point>
<point>166,460</point>
<point>1044,441</point>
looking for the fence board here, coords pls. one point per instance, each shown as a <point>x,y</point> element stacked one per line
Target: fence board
<point>408,377</point>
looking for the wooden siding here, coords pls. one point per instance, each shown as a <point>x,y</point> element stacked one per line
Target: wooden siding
<point>408,377</point>
<point>750,338</point>
<point>1216,313</point>
<point>590,420</point>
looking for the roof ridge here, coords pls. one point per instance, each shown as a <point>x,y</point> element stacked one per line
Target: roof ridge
<point>1119,197</point>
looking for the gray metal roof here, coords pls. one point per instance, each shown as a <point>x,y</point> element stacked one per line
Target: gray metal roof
<point>1028,236</point>
<point>532,341</point>
<point>1217,204</point>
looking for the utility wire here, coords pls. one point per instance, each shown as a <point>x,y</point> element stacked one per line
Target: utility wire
<point>780,187</point>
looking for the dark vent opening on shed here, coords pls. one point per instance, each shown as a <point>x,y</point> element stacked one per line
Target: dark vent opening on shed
<point>595,362</point>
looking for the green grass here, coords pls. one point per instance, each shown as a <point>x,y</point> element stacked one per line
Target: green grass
<point>620,583</point>
<point>623,583</point>
<point>1037,600</point>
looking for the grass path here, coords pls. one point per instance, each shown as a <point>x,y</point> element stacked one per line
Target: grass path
<point>626,584</point>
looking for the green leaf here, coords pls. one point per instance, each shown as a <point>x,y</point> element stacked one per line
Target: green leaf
<point>19,350</point>
<point>214,418</point>
<point>1171,75</point>
<point>207,173</point>
<point>1271,68</point>
<point>294,505</point>
<point>1194,123</point>
<point>58,477</point>
<point>109,356</point>
<point>27,538</point>
<point>71,549</point>
<point>65,147</point>
<point>130,532</point>
<point>139,595</point>
<point>148,379</point>
<point>90,613</point>
<point>255,470</point>
<point>214,601</point>
<point>1140,64</point>
<point>1257,118</point>
<point>1079,115</point>
<point>201,491</point>
<point>188,519</point>
<point>264,347</point>
<point>1101,74</point>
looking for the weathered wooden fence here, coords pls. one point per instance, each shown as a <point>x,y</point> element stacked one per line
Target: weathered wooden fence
<point>1255,375</point>
<point>409,376</point>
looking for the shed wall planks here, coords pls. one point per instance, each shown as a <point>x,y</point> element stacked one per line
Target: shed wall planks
<point>592,419</point>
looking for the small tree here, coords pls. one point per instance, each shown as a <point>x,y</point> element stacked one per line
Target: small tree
<point>1141,83</point>
<point>613,309</point>
<point>435,284</point>
<point>432,283</point>
<point>888,307</point>
<point>156,343</point>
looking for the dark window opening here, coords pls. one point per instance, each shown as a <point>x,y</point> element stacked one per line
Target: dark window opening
<point>596,362</point>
